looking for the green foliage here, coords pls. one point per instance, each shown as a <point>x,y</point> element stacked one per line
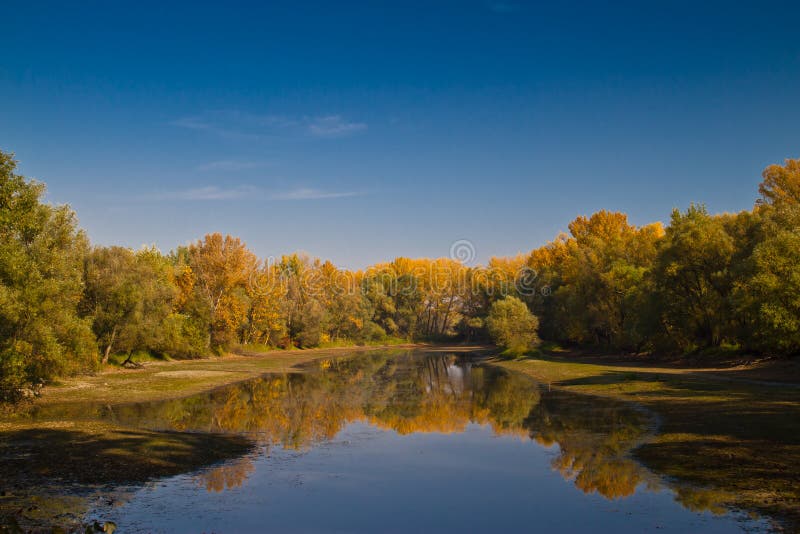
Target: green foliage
<point>129,296</point>
<point>41,260</point>
<point>705,282</point>
<point>308,325</point>
<point>693,278</point>
<point>768,294</point>
<point>512,326</point>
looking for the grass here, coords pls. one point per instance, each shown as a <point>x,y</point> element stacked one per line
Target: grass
<point>387,341</point>
<point>740,437</point>
<point>333,344</point>
<point>160,380</point>
<point>53,473</point>
<point>116,360</point>
<point>95,452</point>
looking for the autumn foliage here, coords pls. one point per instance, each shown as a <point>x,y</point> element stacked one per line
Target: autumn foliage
<point>703,281</point>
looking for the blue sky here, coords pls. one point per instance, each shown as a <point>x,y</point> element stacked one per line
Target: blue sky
<point>362,131</point>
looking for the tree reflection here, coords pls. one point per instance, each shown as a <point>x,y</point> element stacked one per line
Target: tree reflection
<point>229,475</point>
<point>408,394</point>
<point>594,437</point>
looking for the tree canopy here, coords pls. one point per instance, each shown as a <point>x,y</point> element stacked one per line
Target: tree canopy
<point>512,325</point>
<point>702,281</point>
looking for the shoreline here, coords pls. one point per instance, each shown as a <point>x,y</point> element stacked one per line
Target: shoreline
<point>179,378</point>
<point>164,380</point>
<point>732,434</point>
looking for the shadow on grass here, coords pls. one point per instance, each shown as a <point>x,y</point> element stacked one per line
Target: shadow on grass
<point>113,456</point>
<point>740,439</point>
<point>51,476</point>
<point>757,474</point>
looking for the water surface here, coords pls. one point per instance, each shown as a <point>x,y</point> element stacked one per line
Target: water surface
<point>410,441</point>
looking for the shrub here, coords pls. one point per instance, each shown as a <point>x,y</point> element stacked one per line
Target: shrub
<point>512,326</point>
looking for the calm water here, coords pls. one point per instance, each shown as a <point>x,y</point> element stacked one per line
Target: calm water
<point>415,442</point>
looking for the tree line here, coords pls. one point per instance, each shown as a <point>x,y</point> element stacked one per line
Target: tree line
<point>703,281</point>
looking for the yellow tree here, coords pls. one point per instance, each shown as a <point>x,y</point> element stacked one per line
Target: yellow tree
<point>222,268</point>
<point>266,318</point>
<point>601,279</point>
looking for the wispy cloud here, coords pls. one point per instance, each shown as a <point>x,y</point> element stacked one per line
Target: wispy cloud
<point>306,193</point>
<point>229,165</point>
<point>210,192</point>
<point>213,192</point>
<point>334,126</point>
<point>224,129</point>
<point>242,125</point>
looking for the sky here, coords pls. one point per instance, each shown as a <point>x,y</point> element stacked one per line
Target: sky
<point>358,132</point>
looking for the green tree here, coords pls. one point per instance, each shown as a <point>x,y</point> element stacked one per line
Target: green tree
<point>769,294</point>
<point>129,297</point>
<point>41,260</point>
<point>392,290</point>
<point>693,278</point>
<point>772,294</point>
<point>512,326</point>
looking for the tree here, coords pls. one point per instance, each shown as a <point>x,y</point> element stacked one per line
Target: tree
<point>772,294</point>
<point>220,270</point>
<point>693,279</point>
<point>266,318</point>
<point>512,326</point>
<point>769,294</point>
<point>596,279</point>
<point>394,292</point>
<point>129,297</point>
<point>41,260</point>
<point>781,185</point>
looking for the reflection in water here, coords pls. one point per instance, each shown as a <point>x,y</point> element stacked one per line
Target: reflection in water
<point>227,476</point>
<point>406,394</point>
<point>594,438</point>
<point>409,393</point>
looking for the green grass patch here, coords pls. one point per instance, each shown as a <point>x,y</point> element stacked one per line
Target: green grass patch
<point>140,356</point>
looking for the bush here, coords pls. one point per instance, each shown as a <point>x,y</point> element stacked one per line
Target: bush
<point>512,326</point>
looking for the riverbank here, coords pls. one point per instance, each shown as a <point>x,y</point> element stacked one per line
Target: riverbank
<point>724,364</point>
<point>53,470</point>
<point>161,380</point>
<point>721,428</point>
<point>180,378</point>
<point>731,430</point>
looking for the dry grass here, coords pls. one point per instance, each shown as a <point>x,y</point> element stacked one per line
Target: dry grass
<point>180,378</point>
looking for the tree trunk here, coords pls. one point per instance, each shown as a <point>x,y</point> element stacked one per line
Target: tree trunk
<point>129,363</point>
<point>107,352</point>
